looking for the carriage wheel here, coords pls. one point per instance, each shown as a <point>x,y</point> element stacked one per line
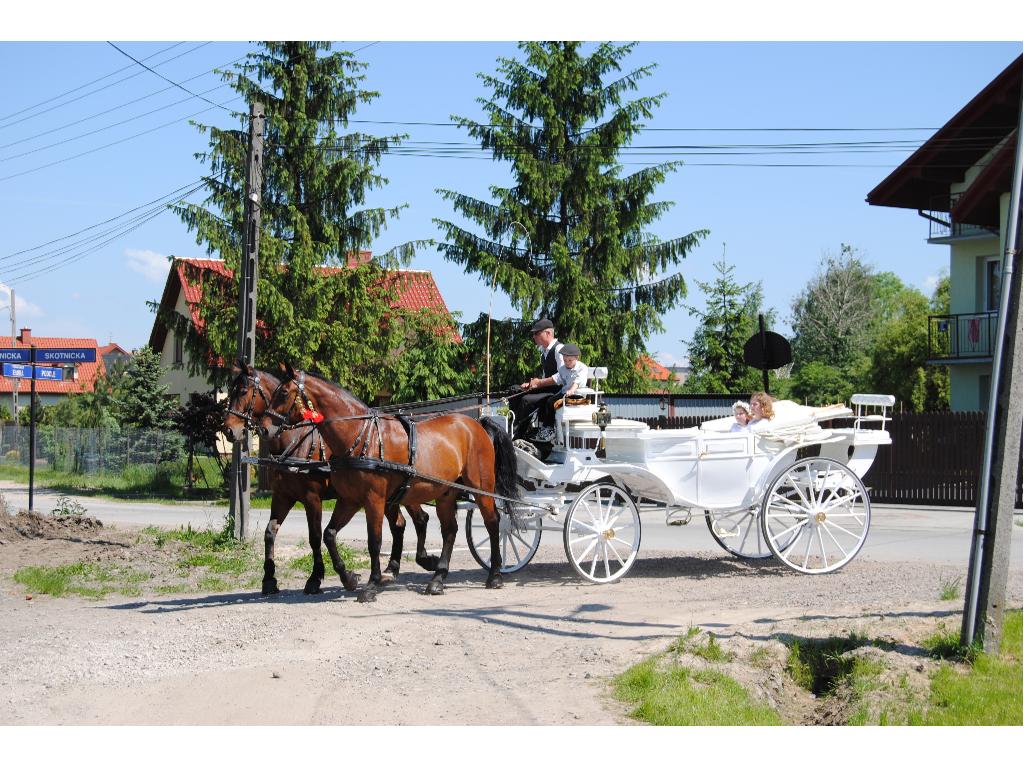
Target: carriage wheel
<point>518,539</point>
<point>739,532</point>
<point>602,533</point>
<point>815,516</point>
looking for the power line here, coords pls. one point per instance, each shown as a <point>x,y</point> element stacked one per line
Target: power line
<point>90,93</point>
<point>115,143</point>
<point>85,85</point>
<point>120,106</point>
<point>167,79</point>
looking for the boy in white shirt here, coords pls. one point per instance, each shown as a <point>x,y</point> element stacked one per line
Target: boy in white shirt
<point>571,375</point>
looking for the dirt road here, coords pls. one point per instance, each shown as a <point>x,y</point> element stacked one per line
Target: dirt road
<point>539,651</point>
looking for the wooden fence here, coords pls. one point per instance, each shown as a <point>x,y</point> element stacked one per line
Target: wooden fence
<point>933,460</point>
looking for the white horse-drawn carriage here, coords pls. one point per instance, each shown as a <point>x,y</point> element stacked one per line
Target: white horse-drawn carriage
<point>791,490</point>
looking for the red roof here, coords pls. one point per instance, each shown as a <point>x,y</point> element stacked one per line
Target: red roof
<point>87,372</point>
<point>654,370</point>
<point>416,290</point>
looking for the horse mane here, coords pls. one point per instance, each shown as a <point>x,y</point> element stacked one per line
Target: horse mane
<point>335,385</point>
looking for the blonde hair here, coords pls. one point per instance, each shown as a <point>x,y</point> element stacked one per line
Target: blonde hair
<point>766,403</point>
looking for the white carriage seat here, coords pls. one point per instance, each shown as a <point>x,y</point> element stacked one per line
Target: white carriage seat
<point>787,415</point>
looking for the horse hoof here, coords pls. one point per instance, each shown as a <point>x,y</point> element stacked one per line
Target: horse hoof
<point>270,588</point>
<point>434,588</point>
<point>367,596</point>
<point>350,582</point>
<point>495,583</point>
<point>312,588</point>
<point>387,578</point>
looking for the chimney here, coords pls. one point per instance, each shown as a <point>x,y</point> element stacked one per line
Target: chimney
<point>26,336</point>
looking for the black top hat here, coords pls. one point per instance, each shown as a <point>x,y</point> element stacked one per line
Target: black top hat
<point>541,325</point>
<point>570,349</point>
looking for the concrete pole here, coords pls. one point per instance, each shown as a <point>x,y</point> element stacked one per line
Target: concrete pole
<point>248,273</point>
<point>990,550</point>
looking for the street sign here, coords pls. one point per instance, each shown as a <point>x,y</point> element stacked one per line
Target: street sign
<point>83,355</point>
<point>17,371</point>
<point>17,355</point>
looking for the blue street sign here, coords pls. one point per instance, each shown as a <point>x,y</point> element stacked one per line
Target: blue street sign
<point>49,374</point>
<point>18,355</point>
<point>83,355</point>
<point>17,371</point>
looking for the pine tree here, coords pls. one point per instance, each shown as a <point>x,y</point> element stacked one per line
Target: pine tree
<point>729,320</point>
<point>139,398</point>
<point>340,322</point>
<point>561,118</point>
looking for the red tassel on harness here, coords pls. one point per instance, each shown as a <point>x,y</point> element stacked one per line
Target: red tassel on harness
<point>315,416</point>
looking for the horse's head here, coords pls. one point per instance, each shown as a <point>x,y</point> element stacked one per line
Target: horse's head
<point>288,404</point>
<point>248,399</point>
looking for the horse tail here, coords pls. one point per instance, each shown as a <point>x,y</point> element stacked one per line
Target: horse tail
<point>504,458</point>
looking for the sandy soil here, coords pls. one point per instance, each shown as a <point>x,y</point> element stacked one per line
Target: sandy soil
<point>542,650</point>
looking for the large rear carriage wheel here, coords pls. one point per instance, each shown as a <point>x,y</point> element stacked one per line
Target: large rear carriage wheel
<point>815,515</point>
<point>518,539</point>
<point>602,533</point>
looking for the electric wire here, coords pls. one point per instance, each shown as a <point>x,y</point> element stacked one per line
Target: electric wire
<point>90,93</point>
<point>85,85</point>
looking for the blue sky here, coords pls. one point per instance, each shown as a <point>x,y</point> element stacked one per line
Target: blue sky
<point>774,223</point>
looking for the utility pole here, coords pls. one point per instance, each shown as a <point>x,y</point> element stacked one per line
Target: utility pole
<point>985,598</point>
<point>248,269</point>
<point>17,382</point>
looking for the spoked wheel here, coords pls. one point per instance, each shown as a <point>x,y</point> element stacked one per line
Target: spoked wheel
<point>739,532</point>
<point>518,539</point>
<point>602,533</point>
<point>815,516</point>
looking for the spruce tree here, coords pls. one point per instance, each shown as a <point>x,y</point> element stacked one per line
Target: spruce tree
<point>139,398</point>
<point>560,118</point>
<point>342,323</point>
<point>728,321</point>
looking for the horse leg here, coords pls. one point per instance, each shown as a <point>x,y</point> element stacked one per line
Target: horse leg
<point>280,506</point>
<point>314,518</point>
<point>419,521</point>
<point>490,517</point>
<point>449,528</point>
<point>396,522</point>
<point>373,508</point>
<point>342,514</point>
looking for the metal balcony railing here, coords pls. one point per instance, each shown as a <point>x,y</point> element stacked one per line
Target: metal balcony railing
<point>941,225</point>
<point>961,337</point>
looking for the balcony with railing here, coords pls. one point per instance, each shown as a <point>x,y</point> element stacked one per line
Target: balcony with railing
<point>943,229</point>
<point>961,338</point>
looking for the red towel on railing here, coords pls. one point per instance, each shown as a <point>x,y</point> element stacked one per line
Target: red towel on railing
<point>974,330</point>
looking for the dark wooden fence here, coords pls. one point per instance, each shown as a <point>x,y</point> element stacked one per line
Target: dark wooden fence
<point>933,460</point>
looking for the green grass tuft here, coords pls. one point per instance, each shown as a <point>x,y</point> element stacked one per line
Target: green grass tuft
<point>678,696</point>
<point>950,589</point>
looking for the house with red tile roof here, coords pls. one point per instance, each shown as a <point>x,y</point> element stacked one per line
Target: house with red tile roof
<point>78,377</point>
<point>183,291</point>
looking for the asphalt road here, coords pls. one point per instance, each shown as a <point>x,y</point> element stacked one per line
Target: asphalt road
<point>898,533</point>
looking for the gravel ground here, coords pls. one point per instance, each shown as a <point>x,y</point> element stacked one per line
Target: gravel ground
<point>539,651</point>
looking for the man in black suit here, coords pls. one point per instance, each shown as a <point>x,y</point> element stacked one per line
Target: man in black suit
<point>543,332</point>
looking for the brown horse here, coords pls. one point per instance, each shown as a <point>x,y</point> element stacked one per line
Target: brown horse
<point>248,398</point>
<point>451,448</point>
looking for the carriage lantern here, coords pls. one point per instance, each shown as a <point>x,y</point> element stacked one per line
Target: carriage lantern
<point>602,418</point>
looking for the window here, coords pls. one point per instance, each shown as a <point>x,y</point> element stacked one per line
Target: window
<point>69,372</point>
<point>984,391</point>
<point>993,272</point>
<point>179,350</point>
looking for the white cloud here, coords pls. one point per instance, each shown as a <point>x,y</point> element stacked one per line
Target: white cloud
<point>151,265</point>
<point>669,359</point>
<point>931,281</point>
<point>24,308</point>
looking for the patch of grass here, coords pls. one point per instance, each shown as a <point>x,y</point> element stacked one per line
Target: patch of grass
<point>349,557</point>
<point>83,579</point>
<point>675,695</point>
<point>945,644</point>
<point>950,589</point>
<point>985,692</point>
<point>710,650</point>
<point>819,665</point>
<point>761,658</point>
